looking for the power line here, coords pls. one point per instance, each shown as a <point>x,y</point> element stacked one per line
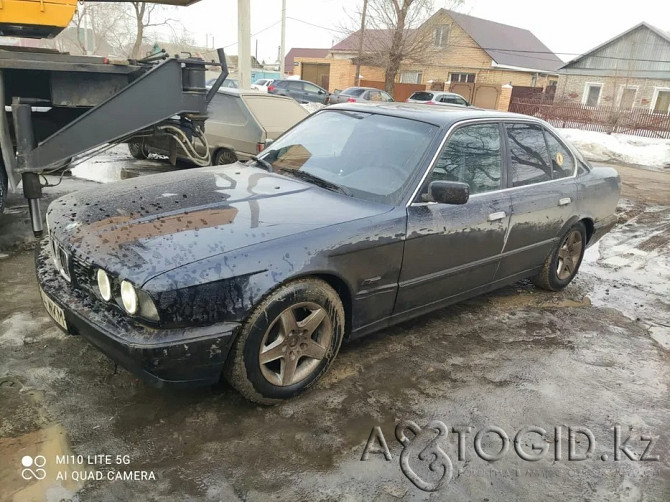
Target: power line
<point>257,33</point>
<point>518,52</point>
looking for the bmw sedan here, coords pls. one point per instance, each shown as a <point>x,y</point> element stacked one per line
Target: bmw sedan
<point>359,217</point>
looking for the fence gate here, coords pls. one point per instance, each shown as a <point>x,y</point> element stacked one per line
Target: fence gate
<point>465,89</point>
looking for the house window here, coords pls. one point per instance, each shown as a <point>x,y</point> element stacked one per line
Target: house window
<point>411,77</point>
<point>627,97</point>
<point>591,95</point>
<point>462,77</point>
<point>442,35</point>
<point>661,101</point>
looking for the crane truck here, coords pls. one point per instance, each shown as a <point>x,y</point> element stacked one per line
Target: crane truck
<point>59,105</point>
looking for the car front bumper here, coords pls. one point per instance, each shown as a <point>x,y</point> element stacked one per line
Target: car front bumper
<point>180,357</point>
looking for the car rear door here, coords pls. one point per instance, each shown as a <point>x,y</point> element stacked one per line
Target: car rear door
<point>452,251</point>
<point>543,193</point>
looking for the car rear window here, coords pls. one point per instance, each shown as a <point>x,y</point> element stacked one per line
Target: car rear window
<point>275,113</point>
<point>422,96</point>
<point>353,91</point>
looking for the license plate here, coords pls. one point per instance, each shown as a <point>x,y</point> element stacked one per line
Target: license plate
<point>54,310</point>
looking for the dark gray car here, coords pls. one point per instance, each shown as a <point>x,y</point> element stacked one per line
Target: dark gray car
<point>300,90</point>
<point>359,217</point>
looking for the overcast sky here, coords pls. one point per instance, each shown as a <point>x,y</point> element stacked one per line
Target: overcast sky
<point>566,26</point>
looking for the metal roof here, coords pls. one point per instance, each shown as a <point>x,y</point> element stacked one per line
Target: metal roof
<point>508,45</point>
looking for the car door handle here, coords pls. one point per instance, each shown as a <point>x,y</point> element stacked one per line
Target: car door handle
<point>497,216</point>
<point>564,201</point>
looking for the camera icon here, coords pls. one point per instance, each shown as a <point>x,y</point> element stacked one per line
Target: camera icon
<point>33,467</point>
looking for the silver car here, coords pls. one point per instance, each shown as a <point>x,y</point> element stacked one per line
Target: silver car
<point>360,94</point>
<point>438,98</point>
<point>240,124</point>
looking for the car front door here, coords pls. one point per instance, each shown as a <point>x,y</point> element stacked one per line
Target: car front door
<point>543,192</point>
<point>314,93</point>
<point>452,251</point>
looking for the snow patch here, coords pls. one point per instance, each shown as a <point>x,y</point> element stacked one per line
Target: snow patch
<point>312,107</point>
<point>601,147</point>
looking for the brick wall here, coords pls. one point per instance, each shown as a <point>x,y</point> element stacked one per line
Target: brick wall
<point>343,72</point>
<point>571,88</point>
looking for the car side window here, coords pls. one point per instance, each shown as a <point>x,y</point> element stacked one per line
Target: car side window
<point>311,88</point>
<point>386,97</point>
<point>562,161</point>
<point>375,96</point>
<point>295,86</point>
<point>528,155</point>
<point>227,110</point>
<point>472,155</point>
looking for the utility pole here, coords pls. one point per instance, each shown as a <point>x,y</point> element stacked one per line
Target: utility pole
<point>282,48</point>
<point>360,43</point>
<point>244,43</point>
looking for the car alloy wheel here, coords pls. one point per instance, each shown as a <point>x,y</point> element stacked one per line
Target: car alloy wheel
<point>563,262</point>
<point>295,344</point>
<point>288,342</point>
<point>569,255</point>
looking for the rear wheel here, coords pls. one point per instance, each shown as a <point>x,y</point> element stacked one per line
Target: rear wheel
<point>562,264</point>
<point>223,157</point>
<point>138,150</point>
<point>289,341</point>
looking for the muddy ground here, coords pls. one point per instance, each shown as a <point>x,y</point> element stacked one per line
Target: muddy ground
<point>594,357</point>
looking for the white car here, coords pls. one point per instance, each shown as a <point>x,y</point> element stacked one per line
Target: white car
<point>261,84</point>
<point>438,98</point>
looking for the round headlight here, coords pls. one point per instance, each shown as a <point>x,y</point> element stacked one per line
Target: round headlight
<point>104,285</point>
<point>129,297</point>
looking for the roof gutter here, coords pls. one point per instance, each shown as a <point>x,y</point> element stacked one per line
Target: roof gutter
<point>521,68</point>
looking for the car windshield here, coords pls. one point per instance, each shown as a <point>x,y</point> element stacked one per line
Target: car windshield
<point>353,91</point>
<point>422,96</point>
<point>371,156</point>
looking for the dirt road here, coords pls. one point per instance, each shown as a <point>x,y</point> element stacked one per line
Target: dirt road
<point>589,366</point>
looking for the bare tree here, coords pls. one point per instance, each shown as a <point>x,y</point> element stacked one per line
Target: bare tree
<point>146,15</point>
<point>392,35</point>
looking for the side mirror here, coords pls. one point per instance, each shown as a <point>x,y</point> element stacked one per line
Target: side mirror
<point>449,192</point>
<point>322,92</point>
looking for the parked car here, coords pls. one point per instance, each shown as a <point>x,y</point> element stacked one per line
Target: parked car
<point>229,83</point>
<point>438,98</point>
<point>360,94</point>
<point>240,124</point>
<point>300,90</point>
<point>262,84</point>
<point>359,217</point>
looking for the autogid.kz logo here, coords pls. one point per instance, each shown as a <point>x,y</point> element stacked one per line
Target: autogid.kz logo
<point>33,467</point>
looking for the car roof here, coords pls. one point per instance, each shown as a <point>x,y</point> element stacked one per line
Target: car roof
<point>249,92</point>
<point>443,116</point>
<point>366,88</point>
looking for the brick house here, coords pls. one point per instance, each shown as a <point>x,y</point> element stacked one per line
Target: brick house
<point>632,70</point>
<point>476,57</point>
<point>471,56</point>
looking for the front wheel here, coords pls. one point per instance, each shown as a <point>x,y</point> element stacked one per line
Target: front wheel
<point>562,264</point>
<point>138,150</point>
<point>287,343</point>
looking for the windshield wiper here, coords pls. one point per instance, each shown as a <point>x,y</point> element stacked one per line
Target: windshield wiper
<point>309,177</point>
<point>263,163</point>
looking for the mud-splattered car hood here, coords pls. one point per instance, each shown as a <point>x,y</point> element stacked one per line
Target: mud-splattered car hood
<point>142,227</point>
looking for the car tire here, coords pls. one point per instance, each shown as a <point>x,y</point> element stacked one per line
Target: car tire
<point>3,186</point>
<point>224,157</point>
<point>267,364</point>
<point>138,150</point>
<point>562,264</point>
